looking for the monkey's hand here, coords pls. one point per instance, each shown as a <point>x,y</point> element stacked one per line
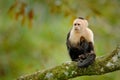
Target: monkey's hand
<point>88,61</point>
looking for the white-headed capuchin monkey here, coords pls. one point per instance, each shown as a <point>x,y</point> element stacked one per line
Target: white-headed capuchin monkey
<point>80,43</point>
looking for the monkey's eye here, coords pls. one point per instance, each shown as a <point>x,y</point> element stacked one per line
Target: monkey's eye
<point>75,24</point>
<point>78,24</point>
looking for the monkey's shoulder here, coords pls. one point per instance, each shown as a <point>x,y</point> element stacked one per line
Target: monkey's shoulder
<point>88,35</point>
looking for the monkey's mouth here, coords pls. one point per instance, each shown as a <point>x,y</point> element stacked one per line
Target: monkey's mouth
<point>76,29</point>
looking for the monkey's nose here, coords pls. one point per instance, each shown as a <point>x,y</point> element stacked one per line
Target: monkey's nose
<point>76,28</point>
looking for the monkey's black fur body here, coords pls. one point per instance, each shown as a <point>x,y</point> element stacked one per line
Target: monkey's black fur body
<point>83,54</point>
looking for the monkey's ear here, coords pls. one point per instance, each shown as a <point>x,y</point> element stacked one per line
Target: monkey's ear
<point>86,23</point>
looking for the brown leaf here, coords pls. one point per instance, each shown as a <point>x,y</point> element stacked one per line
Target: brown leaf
<point>12,7</point>
<point>30,14</point>
<point>23,20</point>
<point>87,17</point>
<point>16,15</point>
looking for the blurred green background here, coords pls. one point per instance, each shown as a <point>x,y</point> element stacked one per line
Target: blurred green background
<point>33,33</point>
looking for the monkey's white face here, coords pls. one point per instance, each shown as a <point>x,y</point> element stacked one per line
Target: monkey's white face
<point>79,24</point>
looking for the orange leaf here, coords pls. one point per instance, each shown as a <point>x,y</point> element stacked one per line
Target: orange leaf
<point>30,14</point>
<point>16,15</point>
<point>23,20</point>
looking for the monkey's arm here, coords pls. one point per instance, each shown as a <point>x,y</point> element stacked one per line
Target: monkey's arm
<point>68,45</point>
<point>90,56</point>
<point>73,52</point>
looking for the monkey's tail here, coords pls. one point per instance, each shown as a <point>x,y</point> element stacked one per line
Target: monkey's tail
<point>86,62</point>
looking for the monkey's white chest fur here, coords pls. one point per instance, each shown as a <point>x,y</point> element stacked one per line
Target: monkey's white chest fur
<point>74,38</point>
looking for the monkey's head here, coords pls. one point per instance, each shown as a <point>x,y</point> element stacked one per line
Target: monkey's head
<point>80,24</point>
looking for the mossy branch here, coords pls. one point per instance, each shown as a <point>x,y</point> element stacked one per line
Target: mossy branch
<point>102,65</point>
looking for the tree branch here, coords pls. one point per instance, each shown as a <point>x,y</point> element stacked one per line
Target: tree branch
<point>102,65</point>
